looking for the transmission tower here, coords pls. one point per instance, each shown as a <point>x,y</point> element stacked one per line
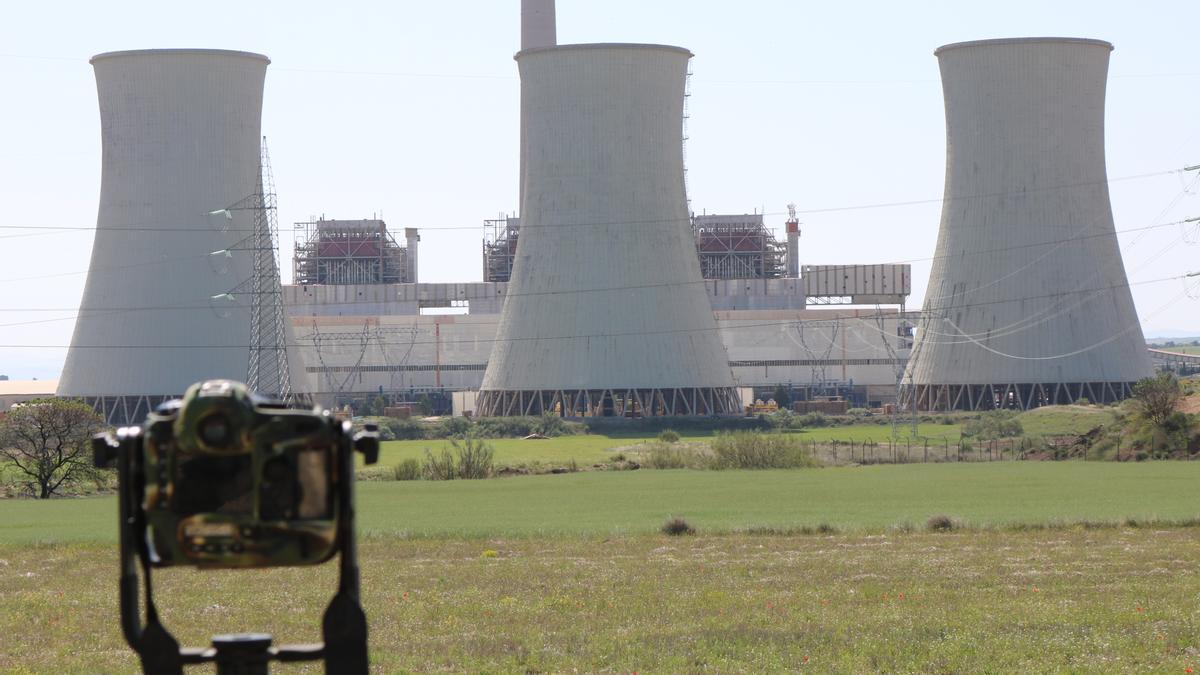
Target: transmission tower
<point>267,371</point>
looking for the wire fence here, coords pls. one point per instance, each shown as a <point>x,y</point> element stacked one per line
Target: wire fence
<point>1056,448</point>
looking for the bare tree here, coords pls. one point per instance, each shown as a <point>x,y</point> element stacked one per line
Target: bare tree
<point>49,442</point>
<point>1155,397</point>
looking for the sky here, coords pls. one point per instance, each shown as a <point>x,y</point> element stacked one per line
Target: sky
<point>408,111</point>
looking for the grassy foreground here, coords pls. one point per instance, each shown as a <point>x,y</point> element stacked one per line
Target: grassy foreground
<point>637,502</point>
<point>1110,600</point>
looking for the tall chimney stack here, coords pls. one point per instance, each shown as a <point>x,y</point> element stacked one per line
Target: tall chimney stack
<point>537,24</point>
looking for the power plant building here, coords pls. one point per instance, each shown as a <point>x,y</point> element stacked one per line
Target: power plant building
<point>348,252</point>
<point>1028,303</point>
<point>181,168</point>
<point>607,313</point>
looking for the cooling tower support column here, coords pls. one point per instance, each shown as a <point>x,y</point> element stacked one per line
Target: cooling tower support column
<point>180,135</point>
<point>1028,303</point>
<point>606,313</point>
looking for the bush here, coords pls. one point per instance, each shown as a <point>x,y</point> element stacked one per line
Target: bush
<point>812,419</point>
<point>610,425</point>
<point>676,527</point>
<point>668,456</point>
<point>668,436</point>
<point>941,523</point>
<point>504,427</point>
<point>743,450</point>
<point>440,466</point>
<point>403,430</point>
<point>993,424</point>
<point>409,469</point>
<point>454,427</point>
<point>519,427</point>
<point>475,458</point>
<point>550,425</point>
<point>472,459</point>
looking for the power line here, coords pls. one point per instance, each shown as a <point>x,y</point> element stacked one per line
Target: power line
<point>894,262</point>
<point>596,335</point>
<point>859,207</point>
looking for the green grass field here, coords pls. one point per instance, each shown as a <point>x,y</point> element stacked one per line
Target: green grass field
<point>1108,600</point>
<point>554,573</point>
<point>1064,420</point>
<point>604,503</point>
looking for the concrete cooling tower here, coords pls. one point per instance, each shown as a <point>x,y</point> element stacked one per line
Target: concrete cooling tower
<point>606,312</point>
<point>180,134</point>
<point>1028,303</point>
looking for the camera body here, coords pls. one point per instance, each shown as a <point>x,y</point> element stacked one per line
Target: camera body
<point>225,479</point>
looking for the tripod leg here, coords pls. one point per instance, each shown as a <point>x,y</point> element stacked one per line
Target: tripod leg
<point>345,632</point>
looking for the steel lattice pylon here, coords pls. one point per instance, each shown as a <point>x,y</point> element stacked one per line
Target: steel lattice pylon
<point>267,371</point>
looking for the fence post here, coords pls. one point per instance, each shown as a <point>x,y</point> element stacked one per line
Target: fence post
<point>926,460</point>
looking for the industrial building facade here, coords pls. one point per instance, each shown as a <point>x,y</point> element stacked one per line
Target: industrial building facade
<point>360,341</point>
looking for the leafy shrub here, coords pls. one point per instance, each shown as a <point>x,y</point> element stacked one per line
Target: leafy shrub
<point>941,523</point>
<point>608,425</point>
<point>550,425</point>
<point>812,419</point>
<point>993,424</point>
<point>743,450</point>
<point>440,466</point>
<point>520,427</point>
<point>471,459</point>
<point>409,469</point>
<point>504,427</point>
<point>403,430</point>
<point>454,427</point>
<point>668,436</point>
<point>676,527</point>
<point>475,458</point>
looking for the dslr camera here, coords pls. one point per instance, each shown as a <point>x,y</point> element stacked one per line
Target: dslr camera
<point>226,479</point>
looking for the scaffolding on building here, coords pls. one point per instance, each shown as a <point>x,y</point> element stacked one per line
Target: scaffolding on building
<point>737,247</point>
<point>729,247</point>
<point>500,247</point>
<point>351,252</point>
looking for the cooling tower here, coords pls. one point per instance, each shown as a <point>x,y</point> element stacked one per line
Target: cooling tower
<point>606,312</point>
<point>180,134</point>
<point>1028,303</point>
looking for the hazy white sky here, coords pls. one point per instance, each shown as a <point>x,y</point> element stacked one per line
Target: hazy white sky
<point>409,110</point>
